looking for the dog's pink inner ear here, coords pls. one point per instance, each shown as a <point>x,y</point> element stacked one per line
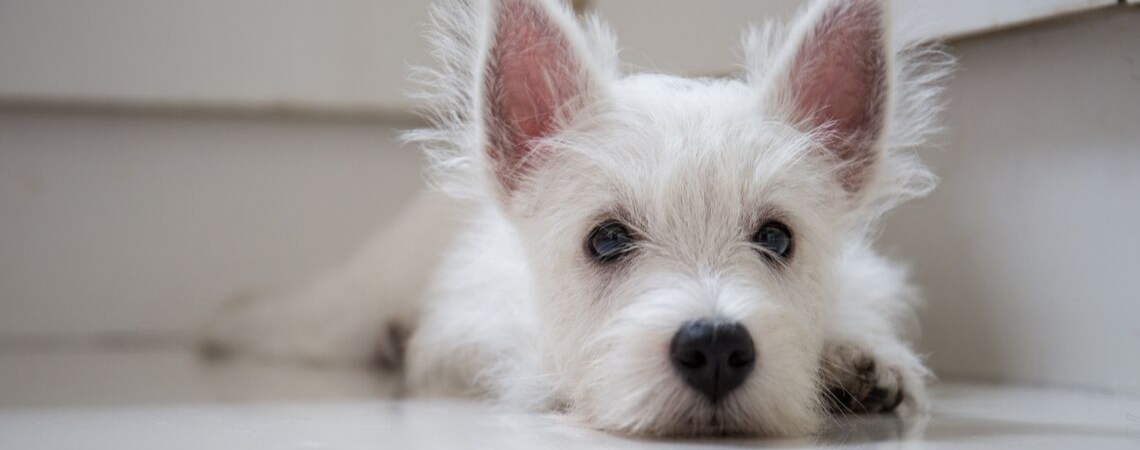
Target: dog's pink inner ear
<point>838,80</point>
<point>533,82</point>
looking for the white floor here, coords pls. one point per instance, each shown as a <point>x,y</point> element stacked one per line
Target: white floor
<point>62,399</point>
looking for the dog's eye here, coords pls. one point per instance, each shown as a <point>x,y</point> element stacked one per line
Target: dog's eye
<point>609,241</point>
<point>775,238</point>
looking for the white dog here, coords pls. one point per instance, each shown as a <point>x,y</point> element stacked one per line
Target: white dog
<point>645,254</point>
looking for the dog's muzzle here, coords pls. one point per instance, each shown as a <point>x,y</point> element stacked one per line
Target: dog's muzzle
<point>713,357</point>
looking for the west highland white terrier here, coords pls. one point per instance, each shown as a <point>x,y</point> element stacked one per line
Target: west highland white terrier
<point>642,253</point>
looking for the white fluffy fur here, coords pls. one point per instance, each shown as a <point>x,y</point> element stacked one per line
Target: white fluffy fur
<point>515,310</point>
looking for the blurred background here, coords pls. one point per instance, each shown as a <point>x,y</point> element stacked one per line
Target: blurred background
<point>160,156</point>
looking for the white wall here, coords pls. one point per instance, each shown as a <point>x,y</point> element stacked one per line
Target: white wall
<point>698,38</point>
<point>129,223</point>
<point>1030,248</point>
<point>254,54</point>
<point>353,55</point>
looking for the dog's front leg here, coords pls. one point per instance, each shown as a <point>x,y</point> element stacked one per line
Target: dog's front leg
<point>867,366</point>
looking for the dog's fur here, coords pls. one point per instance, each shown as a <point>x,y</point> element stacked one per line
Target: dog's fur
<point>537,138</point>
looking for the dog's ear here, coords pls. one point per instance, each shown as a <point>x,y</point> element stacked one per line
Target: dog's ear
<point>534,81</point>
<point>832,77</point>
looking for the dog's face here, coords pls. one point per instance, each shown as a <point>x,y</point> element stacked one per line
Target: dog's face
<point>683,249</point>
<point>683,234</point>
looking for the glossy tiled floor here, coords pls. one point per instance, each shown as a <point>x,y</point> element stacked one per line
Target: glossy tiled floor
<point>52,399</point>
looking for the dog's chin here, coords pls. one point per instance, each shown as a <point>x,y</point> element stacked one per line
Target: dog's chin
<point>677,411</point>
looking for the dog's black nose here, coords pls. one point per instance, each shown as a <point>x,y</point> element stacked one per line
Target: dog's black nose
<point>713,357</point>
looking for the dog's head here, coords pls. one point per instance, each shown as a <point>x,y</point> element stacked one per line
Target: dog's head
<point>682,234</point>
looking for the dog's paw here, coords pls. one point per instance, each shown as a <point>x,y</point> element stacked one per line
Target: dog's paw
<point>858,380</point>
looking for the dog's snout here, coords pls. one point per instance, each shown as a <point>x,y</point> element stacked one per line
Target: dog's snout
<point>713,357</point>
